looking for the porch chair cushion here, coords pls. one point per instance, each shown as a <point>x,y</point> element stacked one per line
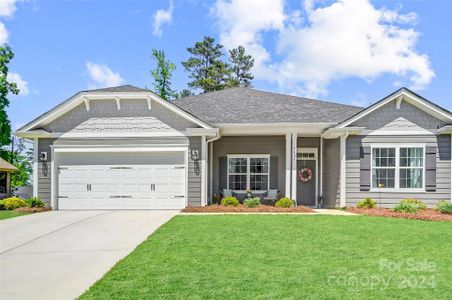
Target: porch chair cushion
<point>272,194</point>
<point>227,193</point>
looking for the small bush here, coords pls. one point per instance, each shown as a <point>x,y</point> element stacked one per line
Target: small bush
<point>230,201</point>
<point>2,207</point>
<point>366,203</point>
<point>284,203</point>
<point>421,205</point>
<point>406,208</point>
<point>34,202</point>
<point>13,203</point>
<point>252,202</point>
<point>215,199</point>
<point>444,207</point>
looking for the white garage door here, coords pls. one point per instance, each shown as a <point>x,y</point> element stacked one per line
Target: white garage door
<point>121,187</point>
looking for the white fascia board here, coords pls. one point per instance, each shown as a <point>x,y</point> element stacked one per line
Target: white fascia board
<point>274,128</point>
<point>117,149</point>
<point>445,129</point>
<point>118,134</point>
<point>81,97</point>
<point>33,134</point>
<point>402,95</point>
<point>202,131</point>
<point>333,133</point>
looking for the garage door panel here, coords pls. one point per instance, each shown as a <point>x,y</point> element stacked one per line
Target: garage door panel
<point>122,187</point>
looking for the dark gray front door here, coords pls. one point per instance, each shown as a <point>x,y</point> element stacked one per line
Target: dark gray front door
<point>306,190</point>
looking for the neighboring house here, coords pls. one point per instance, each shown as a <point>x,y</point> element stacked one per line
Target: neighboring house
<point>126,148</point>
<point>5,178</point>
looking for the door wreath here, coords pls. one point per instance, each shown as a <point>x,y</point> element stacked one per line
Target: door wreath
<point>305,175</point>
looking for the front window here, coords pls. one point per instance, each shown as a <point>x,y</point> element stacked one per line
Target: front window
<point>397,167</point>
<point>248,172</point>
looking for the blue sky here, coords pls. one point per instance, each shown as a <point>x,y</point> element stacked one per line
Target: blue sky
<point>353,52</point>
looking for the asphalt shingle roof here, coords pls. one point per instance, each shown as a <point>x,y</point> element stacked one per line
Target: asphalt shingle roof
<point>6,166</point>
<point>118,89</point>
<point>245,105</point>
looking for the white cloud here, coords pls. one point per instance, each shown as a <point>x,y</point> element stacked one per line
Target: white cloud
<point>22,85</point>
<point>348,38</point>
<point>162,17</point>
<point>7,7</point>
<point>102,76</point>
<point>3,34</point>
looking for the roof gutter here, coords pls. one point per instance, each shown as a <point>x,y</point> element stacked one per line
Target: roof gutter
<point>333,133</point>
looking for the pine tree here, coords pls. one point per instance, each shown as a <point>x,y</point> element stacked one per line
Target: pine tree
<point>162,75</point>
<point>240,68</point>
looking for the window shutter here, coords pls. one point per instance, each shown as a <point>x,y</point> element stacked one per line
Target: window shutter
<point>430,169</point>
<point>273,172</point>
<point>364,176</point>
<point>223,176</point>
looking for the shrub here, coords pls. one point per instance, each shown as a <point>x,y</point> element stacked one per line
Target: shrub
<point>215,199</point>
<point>367,203</point>
<point>421,205</point>
<point>252,202</point>
<point>406,207</point>
<point>34,202</point>
<point>13,203</point>
<point>444,207</point>
<point>2,207</point>
<point>230,201</point>
<point>284,202</point>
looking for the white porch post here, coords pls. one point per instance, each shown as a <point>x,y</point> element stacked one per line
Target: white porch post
<point>35,167</point>
<point>451,167</point>
<point>210,161</point>
<point>294,166</point>
<point>320,171</point>
<point>288,164</point>
<point>53,180</point>
<point>203,170</point>
<point>343,171</point>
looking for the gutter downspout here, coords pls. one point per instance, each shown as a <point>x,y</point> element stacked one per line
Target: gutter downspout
<point>210,162</point>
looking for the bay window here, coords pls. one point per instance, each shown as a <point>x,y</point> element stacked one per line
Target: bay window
<point>398,167</point>
<point>248,172</point>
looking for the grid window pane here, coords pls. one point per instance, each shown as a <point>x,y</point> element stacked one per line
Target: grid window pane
<point>258,182</point>
<point>383,157</point>
<point>237,165</point>
<point>258,165</point>
<point>237,182</point>
<point>411,157</point>
<point>384,177</point>
<point>411,178</point>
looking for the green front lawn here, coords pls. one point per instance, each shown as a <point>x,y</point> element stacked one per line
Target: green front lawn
<point>6,214</point>
<point>283,257</point>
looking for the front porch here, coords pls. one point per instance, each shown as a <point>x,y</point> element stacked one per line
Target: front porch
<point>292,164</point>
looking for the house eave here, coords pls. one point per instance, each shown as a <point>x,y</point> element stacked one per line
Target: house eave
<point>333,133</point>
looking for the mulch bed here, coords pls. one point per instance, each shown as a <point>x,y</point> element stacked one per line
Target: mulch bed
<point>32,209</point>
<point>244,209</point>
<point>428,214</point>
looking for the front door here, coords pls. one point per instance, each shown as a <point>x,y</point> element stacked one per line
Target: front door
<point>306,182</point>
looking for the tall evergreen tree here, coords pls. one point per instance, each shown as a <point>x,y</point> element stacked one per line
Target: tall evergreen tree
<point>162,75</point>
<point>6,87</point>
<point>240,68</point>
<point>207,71</point>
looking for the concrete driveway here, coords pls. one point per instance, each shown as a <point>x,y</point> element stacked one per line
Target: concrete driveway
<point>59,254</point>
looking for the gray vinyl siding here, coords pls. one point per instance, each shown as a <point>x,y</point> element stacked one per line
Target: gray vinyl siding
<point>104,116</point>
<point>443,165</point>
<point>331,173</point>
<point>308,142</point>
<point>194,173</point>
<point>273,145</point>
<point>45,170</point>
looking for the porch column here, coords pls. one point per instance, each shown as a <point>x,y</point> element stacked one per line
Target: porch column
<point>288,191</point>
<point>203,170</point>
<point>451,167</point>
<point>294,166</point>
<point>54,182</point>
<point>343,171</point>
<point>35,167</point>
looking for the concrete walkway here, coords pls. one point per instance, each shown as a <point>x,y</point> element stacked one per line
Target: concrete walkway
<point>59,254</point>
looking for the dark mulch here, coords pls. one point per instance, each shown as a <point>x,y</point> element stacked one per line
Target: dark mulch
<point>241,208</point>
<point>32,209</point>
<point>428,214</point>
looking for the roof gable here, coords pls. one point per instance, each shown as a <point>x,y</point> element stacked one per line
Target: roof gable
<point>398,97</point>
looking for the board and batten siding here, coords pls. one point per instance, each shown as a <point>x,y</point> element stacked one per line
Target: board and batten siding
<point>273,145</point>
<point>331,173</point>
<point>194,173</point>
<point>389,199</point>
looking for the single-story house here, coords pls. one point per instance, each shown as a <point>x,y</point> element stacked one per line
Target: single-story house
<point>5,178</point>
<point>126,148</point>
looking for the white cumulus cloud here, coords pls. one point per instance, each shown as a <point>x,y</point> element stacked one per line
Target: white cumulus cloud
<point>348,38</point>
<point>22,85</point>
<point>161,17</point>
<point>7,9</point>
<point>102,76</point>
<point>3,34</point>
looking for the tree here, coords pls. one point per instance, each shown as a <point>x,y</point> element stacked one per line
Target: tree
<point>162,75</point>
<point>185,93</point>
<point>207,71</point>
<point>21,156</point>
<point>240,68</point>
<point>6,87</point>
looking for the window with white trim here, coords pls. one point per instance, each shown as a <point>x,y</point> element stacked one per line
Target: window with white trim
<point>398,167</point>
<point>249,172</point>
